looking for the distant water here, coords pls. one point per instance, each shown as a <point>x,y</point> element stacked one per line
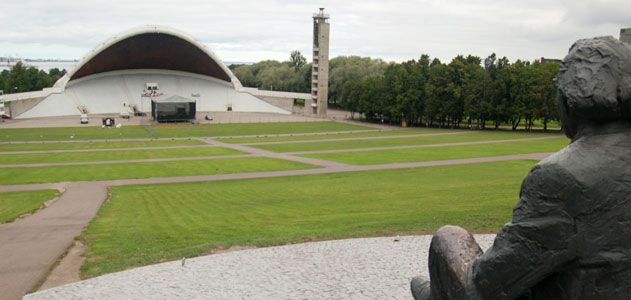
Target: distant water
<point>67,65</point>
<point>42,65</point>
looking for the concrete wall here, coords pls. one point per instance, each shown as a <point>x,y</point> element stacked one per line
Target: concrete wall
<point>284,103</point>
<point>625,35</point>
<point>16,108</point>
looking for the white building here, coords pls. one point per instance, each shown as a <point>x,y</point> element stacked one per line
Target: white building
<point>114,77</point>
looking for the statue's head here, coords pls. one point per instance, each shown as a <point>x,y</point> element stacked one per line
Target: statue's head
<point>594,84</point>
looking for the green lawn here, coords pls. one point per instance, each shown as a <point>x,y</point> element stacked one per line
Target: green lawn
<point>145,170</point>
<point>421,140</point>
<point>263,139</point>
<point>15,204</point>
<point>97,145</point>
<point>169,130</point>
<point>443,153</point>
<point>94,156</point>
<point>151,223</point>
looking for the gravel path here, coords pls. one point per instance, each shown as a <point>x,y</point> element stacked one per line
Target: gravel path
<point>366,268</point>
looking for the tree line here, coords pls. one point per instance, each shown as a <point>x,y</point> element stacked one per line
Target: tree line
<point>464,92</point>
<point>467,91</point>
<point>21,78</point>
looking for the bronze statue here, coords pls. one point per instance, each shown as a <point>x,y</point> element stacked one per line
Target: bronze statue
<point>570,237</point>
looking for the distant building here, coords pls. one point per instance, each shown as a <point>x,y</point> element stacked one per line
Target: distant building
<point>625,35</point>
<point>320,67</point>
<point>549,60</point>
<point>114,78</point>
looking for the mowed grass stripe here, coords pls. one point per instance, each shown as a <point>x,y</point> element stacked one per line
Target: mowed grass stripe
<point>10,176</point>
<point>407,141</point>
<point>147,224</point>
<point>98,145</point>
<point>9,159</point>
<point>15,204</point>
<point>265,139</point>
<point>170,130</point>
<point>443,153</point>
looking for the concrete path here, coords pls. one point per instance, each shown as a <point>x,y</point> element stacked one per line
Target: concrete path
<point>331,169</point>
<point>252,151</point>
<point>419,146</point>
<point>105,140</point>
<point>109,162</point>
<point>380,137</point>
<point>102,149</point>
<point>364,268</point>
<point>188,138</point>
<point>29,247</point>
<point>270,154</point>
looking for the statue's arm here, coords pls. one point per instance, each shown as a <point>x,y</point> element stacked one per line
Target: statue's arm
<point>535,244</point>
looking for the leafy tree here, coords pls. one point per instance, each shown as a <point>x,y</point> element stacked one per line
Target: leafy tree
<point>297,60</point>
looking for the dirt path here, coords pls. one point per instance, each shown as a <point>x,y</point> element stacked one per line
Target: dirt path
<point>30,246</point>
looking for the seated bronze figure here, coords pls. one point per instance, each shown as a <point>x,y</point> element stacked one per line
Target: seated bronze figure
<point>570,236</point>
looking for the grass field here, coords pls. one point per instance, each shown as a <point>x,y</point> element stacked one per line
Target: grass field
<point>145,170</point>
<point>15,204</point>
<point>113,155</point>
<point>421,140</point>
<point>152,223</point>
<point>297,138</point>
<point>443,153</point>
<point>97,145</point>
<point>169,130</point>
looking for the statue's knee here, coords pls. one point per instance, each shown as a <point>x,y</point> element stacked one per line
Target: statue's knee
<point>420,288</point>
<point>450,254</point>
<point>455,240</point>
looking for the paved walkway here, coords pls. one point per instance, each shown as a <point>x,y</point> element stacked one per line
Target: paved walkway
<point>366,268</point>
<point>109,162</point>
<point>30,246</point>
<point>419,146</point>
<point>379,137</point>
<point>252,151</point>
<point>277,155</point>
<point>102,149</point>
<point>188,138</point>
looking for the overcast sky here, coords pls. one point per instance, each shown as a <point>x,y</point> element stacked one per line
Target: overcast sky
<point>253,30</point>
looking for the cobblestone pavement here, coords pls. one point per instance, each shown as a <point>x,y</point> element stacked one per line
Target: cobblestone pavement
<point>366,268</point>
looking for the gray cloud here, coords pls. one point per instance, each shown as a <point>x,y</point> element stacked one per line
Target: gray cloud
<point>251,30</point>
